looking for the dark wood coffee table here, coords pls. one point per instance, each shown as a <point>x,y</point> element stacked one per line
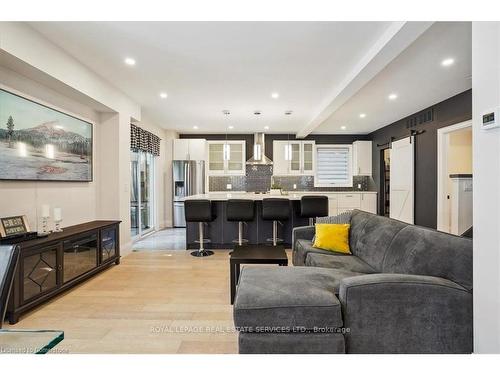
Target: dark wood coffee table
<point>254,254</point>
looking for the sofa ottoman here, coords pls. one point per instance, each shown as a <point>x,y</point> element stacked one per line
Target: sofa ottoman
<point>289,310</point>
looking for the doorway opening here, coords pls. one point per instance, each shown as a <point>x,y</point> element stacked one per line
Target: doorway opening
<point>454,210</point>
<point>385,180</point>
<point>142,218</point>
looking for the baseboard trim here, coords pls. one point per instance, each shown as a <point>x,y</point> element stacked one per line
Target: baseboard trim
<point>126,249</point>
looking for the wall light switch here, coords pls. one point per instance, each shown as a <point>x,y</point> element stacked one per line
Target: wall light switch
<point>229,186</point>
<point>359,186</point>
<point>294,186</point>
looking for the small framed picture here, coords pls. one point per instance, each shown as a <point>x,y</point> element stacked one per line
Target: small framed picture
<point>14,225</point>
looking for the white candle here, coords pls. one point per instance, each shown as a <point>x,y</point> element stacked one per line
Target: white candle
<point>57,214</point>
<point>45,210</point>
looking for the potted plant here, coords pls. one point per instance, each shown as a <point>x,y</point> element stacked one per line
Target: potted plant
<point>275,189</point>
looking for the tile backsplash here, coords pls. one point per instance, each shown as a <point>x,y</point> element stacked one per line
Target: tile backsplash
<point>258,178</point>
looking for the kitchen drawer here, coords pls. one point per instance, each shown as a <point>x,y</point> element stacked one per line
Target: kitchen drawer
<point>332,206</point>
<point>349,200</point>
<point>342,210</point>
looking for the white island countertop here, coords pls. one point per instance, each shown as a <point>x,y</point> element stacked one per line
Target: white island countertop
<point>293,195</point>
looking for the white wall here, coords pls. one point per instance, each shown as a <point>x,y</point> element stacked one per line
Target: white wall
<point>460,152</point>
<point>23,42</point>
<point>78,200</point>
<point>486,160</point>
<point>107,196</point>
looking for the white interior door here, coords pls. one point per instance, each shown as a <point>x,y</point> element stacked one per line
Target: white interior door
<point>402,180</point>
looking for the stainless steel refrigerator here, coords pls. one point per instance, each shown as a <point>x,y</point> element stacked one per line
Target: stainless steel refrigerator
<point>188,179</point>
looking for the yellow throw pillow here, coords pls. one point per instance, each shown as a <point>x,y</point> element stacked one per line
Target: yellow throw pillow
<point>333,237</point>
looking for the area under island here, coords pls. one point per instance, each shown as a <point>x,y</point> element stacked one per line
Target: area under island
<point>222,232</point>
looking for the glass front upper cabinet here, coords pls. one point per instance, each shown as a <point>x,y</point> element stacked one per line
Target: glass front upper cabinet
<point>308,157</point>
<point>236,159</point>
<point>235,163</point>
<point>216,157</point>
<point>295,162</point>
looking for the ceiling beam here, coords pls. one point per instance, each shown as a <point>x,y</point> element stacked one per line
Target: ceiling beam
<point>395,40</point>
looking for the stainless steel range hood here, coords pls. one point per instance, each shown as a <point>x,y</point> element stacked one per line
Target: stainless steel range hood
<point>259,151</point>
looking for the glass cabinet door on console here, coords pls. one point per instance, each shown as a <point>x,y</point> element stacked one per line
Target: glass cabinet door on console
<point>39,272</point>
<point>108,244</point>
<point>80,256</point>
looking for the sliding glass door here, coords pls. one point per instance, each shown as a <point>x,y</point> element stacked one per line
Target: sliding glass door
<point>141,193</point>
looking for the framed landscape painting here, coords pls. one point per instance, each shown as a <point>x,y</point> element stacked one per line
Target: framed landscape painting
<point>42,144</point>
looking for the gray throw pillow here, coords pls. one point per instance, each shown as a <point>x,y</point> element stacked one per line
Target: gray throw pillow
<point>343,218</point>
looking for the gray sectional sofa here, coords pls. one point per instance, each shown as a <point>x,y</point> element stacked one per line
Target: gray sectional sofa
<point>404,289</point>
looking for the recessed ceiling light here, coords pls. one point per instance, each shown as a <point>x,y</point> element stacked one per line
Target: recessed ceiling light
<point>195,127</point>
<point>230,127</point>
<point>163,95</point>
<point>266,127</point>
<point>362,115</point>
<point>275,95</point>
<point>130,61</point>
<point>393,96</point>
<point>343,127</point>
<point>447,62</point>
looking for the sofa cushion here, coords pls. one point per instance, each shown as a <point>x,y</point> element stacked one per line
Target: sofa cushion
<point>371,236</point>
<point>304,247</point>
<point>277,298</point>
<point>422,251</point>
<point>347,263</point>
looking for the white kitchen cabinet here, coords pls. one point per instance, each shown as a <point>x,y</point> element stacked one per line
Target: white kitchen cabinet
<point>197,149</point>
<point>362,158</point>
<point>332,205</point>
<point>189,149</point>
<point>181,149</point>
<point>349,200</point>
<point>280,165</point>
<point>302,158</point>
<point>235,165</point>
<point>345,201</point>
<point>369,202</point>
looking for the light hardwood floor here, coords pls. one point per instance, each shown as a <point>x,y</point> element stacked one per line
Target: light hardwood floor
<point>153,302</point>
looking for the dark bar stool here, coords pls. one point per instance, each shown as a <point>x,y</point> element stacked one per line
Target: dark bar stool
<point>277,210</point>
<point>240,210</point>
<point>313,206</point>
<point>199,211</point>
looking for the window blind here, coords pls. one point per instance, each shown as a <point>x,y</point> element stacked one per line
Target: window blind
<point>333,165</point>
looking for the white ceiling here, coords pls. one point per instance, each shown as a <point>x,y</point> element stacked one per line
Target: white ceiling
<point>206,67</point>
<point>416,76</point>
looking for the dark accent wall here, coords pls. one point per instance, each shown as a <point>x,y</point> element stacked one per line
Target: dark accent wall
<point>448,112</point>
<point>451,111</point>
<point>269,138</point>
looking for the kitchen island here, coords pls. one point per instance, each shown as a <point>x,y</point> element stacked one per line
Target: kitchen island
<point>222,233</point>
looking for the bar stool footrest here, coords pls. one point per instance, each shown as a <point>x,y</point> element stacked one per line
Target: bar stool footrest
<point>243,240</point>
<point>277,240</point>
<point>202,253</point>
